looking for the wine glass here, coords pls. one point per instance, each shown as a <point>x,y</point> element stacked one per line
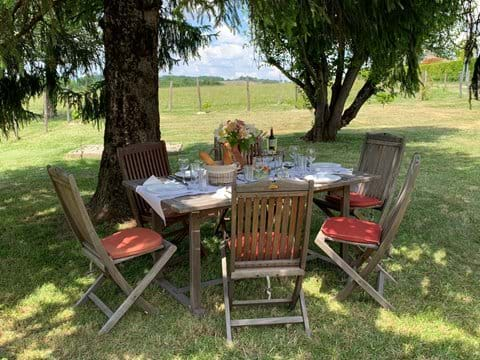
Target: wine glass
<point>293,151</point>
<point>311,155</point>
<point>183,164</point>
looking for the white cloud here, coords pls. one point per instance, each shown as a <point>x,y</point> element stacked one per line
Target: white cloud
<point>229,56</point>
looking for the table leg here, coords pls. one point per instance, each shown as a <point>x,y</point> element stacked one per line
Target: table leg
<point>345,211</point>
<point>195,265</point>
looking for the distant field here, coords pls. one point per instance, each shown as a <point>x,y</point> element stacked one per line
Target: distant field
<point>435,260</point>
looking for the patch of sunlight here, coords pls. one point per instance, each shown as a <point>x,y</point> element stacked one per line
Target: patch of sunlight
<point>33,352</point>
<point>41,297</point>
<point>465,298</point>
<point>425,285</point>
<point>395,267</point>
<point>26,197</point>
<point>412,253</point>
<point>46,212</point>
<point>63,315</point>
<point>440,256</point>
<point>426,327</point>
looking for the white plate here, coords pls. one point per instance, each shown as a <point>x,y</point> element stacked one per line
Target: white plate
<point>180,174</point>
<point>322,178</point>
<point>163,188</point>
<point>326,165</point>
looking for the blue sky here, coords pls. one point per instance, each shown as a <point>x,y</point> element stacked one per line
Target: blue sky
<point>228,56</point>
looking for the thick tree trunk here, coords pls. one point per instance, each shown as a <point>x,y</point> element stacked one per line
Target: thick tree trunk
<point>131,76</point>
<point>330,119</point>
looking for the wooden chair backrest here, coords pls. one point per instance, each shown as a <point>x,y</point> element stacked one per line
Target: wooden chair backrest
<point>281,211</point>
<point>75,211</point>
<point>140,161</point>
<point>255,150</point>
<point>393,219</point>
<point>382,155</point>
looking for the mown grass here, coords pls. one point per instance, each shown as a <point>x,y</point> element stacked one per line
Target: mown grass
<point>435,259</point>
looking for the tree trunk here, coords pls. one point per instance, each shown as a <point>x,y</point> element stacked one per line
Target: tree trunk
<point>131,76</point>
<point>327,123</point>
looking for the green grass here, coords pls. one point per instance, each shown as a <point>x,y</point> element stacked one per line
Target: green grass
<point>435,259</point>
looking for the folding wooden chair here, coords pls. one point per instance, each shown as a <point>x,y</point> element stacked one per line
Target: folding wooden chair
<point>107,253</point>
<point>373,239</point>
<point>382,155</point>
<point>269,238</point>
<point>140,161</point>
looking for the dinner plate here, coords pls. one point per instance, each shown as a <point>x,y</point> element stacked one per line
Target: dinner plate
<point>165,187</point>
<point>326,165</point>
<point>322,178</point>
<point>180,174</point>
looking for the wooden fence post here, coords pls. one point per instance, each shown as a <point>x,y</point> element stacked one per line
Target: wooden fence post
<point>248,94</point>
<point>460,85</point>
<point>170,96</point>
<point>445,77</point>
<point>199,95</point>
<point>45,110</point>
<point>68,110</point>
<point>296,95</point>
<point>15,128</point>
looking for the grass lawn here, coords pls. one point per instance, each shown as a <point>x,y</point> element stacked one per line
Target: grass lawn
<point>436,257</point>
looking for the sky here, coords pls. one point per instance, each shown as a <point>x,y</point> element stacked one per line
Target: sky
<point>229,56</point>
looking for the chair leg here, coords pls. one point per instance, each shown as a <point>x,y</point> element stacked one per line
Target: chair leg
<point>226,294</point>
<point>380,282</point>
<point>322,207</point>
<point>296,291</point>
<point>134,295</point>
<point>372,264</point>
<point>303,308</point>
<point>96,284</point>
<point>358,279</point>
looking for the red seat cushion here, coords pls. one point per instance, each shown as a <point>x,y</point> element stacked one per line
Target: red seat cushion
<point>130,242</point>
<point>356,200</point>
<point>354,230</point>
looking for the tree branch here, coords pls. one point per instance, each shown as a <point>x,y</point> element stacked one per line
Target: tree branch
<point>275,63</point>
<point>367,90</point>
<point>37,18</point>
<point>339,71</point>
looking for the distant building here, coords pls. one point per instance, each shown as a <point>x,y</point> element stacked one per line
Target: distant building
<point>430,59</point>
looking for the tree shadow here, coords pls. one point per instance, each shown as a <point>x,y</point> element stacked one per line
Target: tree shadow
<point>431,261</point>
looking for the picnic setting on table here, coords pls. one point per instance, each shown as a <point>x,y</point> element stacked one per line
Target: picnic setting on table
<point>261,199</point>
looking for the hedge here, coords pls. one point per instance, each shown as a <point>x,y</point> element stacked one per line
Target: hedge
<point>436,71</point>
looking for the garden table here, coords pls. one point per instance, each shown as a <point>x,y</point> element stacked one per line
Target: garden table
<point>202,206</point>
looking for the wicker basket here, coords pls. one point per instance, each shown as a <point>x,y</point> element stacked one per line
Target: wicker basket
<point>220,174</point>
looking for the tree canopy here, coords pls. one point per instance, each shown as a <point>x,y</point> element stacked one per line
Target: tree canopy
<point>321,44</point>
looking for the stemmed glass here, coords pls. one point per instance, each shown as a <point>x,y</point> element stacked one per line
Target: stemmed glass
<point>183,164</point>
<point>293,151</point>
<point>311,154</point>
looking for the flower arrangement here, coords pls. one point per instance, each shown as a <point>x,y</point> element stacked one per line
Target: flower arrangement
<point>238,133</point>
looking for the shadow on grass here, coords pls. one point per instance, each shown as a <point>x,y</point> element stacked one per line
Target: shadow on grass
<point>437,275</point>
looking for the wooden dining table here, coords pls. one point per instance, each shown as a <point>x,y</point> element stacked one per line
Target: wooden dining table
<point>202,206</point>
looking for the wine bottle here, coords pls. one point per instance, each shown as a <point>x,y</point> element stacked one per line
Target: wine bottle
<point>272,142</point>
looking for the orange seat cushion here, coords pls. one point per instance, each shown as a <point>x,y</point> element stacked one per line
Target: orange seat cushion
<point>354,230</point>
<point>130,242</point>
<point>356,200</point>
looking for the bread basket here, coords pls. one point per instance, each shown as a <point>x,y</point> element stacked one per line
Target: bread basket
<point>220,174</point>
